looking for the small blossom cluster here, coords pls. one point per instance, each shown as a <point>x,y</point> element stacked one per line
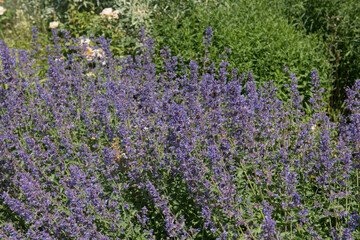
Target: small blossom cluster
<point>109,13</point>
<point>54,24</point>
<point>132,150</point>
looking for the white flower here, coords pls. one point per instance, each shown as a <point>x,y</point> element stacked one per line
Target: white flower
<point>313,127</point>
<point>59,59</point>
<point>54,24</point>
<point>99,53</point>
<point>90,53</point>
<point>2,10</point>
<point>115,14</point>
<point>90,74</point>
<point>84,41</point>
<point>107,12</point>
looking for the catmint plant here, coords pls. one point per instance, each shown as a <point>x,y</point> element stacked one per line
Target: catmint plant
<point>100,147</point>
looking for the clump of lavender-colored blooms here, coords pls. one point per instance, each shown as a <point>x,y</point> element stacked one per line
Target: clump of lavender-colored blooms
<point>106,148</point>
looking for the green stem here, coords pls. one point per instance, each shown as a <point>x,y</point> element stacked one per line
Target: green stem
<point>247,177</point>
<point>357,186</point>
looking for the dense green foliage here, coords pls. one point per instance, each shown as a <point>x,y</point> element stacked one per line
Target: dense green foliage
<point>337,22</point>
<point>260,38</point>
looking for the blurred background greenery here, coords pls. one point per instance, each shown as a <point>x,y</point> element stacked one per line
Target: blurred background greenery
<point>262,35</point>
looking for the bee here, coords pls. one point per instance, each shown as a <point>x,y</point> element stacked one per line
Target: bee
<point>213,94</point>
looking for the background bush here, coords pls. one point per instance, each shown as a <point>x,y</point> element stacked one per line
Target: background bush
<point>258,33</point>
<point>338,25</point>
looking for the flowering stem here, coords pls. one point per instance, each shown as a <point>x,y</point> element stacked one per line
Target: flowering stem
<point>242,232</point>
<point>346,204</point>
<point>328,208</point>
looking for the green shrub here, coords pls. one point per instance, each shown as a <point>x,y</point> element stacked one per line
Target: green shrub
<point>338,23</point>
<point>259,35</point>
<point>33,12</point>
<point>19,19</point>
